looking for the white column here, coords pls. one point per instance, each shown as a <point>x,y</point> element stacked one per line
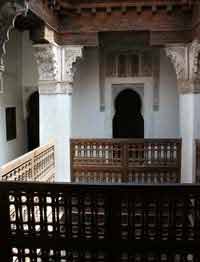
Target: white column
<point>56,72</point>
<point>185,59</point>
<point>190,130</point>
<point>55,125</point>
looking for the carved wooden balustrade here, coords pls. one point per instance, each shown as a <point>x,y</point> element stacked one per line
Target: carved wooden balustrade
<point>197,144</point>
<point>37,165</point>
<point>88,223</point>
<point>153,161</point>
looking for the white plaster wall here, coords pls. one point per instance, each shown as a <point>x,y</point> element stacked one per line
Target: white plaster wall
<point>190,130</point>
<point>166,120</point>
<point>29,70</point>
<point>89,122</point>
<point>12,97</point>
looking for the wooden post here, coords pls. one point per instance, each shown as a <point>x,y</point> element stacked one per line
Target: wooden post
<point>4,226</point>
<point>125,162</point>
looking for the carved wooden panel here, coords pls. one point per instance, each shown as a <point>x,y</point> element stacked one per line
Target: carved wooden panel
<point>37,165</point>
<point>151,161</point>
<point>146,64</point>
<point>85,223</point>
<point>129,64</point>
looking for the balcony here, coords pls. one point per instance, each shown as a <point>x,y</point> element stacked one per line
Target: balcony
<point>72,222</point>
<point>127,204</point>
<point>137,161</point>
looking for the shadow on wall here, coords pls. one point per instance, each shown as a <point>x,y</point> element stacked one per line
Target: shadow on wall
<point>128,121</point>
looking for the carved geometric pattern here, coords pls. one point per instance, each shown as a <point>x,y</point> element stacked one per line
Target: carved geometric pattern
<point>177,55</point>
<point>47,61</point>
<point>194,51</point>
<point>71,54</point>
<point>56,67</point>
<point>129,64</point>
<point>186,62</point>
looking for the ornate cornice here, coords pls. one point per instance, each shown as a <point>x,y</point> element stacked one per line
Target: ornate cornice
<point>47,58</point>
<point>178,56</point>
<point>71,55</point>
<point>9,11</point>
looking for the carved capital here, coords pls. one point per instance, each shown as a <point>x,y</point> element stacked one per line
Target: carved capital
<point>56,67</point>
<point>48,60</point>
<point>9,11</point>
<point>178,57</point>
<point>188,86</point>
<point>194,60</point>
<point>71,55</point>
<point>186,61</point>
<point>55,88</point>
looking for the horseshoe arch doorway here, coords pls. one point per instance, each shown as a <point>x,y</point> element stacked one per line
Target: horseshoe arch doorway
<point>128,121</point>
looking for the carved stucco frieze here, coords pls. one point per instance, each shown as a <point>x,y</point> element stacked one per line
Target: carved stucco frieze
<point>56,67</point>
<point>178,56</point>
<point>194,57</point>
<point>71,55</point>
<point>9,11</point>
<point>47,59</point>
<point>186,62</point>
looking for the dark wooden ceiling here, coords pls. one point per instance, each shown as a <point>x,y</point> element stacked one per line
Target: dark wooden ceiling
<point>84,21</point>
<point>62,6</point>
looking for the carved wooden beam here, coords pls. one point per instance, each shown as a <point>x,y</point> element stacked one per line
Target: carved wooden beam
<point>90,5</point>
<point>117,21</point>
<point>70,38</point>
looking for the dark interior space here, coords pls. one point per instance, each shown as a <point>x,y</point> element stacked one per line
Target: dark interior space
<point>33,121</point>
<point>128,121</point>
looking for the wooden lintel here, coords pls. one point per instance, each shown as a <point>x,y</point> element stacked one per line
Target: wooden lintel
<point>131,20</point>
<point>118,4</point>
<point>159,38</point>
<point>70,38</point>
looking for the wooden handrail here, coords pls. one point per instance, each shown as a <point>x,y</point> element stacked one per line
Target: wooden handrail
<point>37,165</point>
<point>197,151</point>
<point>99,222</point>
<point>154,161</point>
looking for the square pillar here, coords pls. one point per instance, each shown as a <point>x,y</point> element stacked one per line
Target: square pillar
<point>56,73</point>
<point>55,125</point>
<point>190,130</point>
<point>186,61</point>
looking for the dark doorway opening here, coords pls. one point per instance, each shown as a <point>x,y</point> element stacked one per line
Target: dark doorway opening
<point>33,121</point>
<point>128,121</point>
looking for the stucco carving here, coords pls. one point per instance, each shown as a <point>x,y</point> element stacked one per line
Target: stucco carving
<point>71,55</point>
<point>56,67</point>
<point>177,55</point>
<point>9,11</point>
<point>194,53</point>
<point>47,59</point>
<point>186,61</point>
<point>54,88</point>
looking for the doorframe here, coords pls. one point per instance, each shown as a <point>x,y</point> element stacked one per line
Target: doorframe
<point>143,86</point>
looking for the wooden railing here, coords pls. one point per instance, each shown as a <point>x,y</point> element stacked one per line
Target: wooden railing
<point>37,165</point>
<point>152,161</point>
<point>197,149</point>
<point>99,222</point>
